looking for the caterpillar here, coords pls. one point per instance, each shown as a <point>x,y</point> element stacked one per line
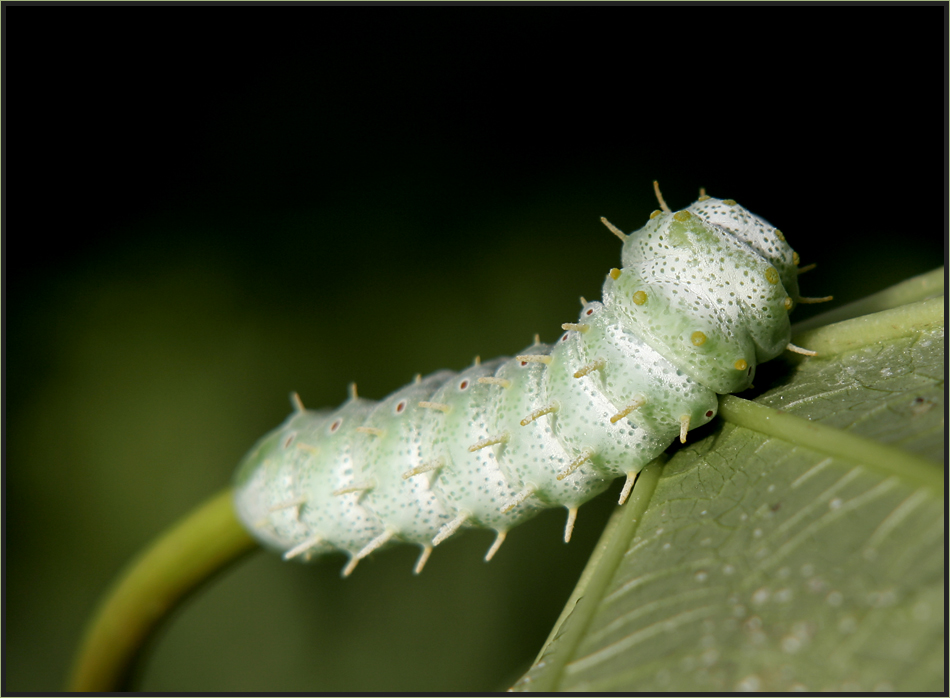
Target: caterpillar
<point>702,296</point>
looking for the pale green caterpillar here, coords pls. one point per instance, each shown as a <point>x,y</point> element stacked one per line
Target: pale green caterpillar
<point>703,296</point>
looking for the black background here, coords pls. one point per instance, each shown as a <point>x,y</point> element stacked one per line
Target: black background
<point>206,208</point>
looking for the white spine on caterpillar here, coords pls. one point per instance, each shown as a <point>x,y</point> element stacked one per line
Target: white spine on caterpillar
<point>703,296</point>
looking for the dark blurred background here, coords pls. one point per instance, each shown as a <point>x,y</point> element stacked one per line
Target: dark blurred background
<point>206,210</point>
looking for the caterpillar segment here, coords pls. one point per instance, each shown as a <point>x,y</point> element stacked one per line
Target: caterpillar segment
<point>702,296</point>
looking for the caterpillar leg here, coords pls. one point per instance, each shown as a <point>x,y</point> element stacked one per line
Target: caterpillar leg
<point>627,486</point>
<point>450,528</point>
<point>499,539</point>
<point>684,428</point>
<point>569,526</point>
<point>423,558</point>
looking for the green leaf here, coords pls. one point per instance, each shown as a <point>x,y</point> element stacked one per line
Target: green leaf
<point>800,546</point>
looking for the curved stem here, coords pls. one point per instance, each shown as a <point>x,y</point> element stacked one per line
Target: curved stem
<point>210,537</point>
<point>150,586</point>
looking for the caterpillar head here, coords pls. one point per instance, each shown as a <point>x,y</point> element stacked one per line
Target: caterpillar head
<point>704,295</point>
<point>756,232</point>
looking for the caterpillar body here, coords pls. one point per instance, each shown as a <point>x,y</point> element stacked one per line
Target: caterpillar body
<point>703,295</point>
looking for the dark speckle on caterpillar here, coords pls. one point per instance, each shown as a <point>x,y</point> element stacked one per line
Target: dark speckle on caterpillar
<point>703,296</point>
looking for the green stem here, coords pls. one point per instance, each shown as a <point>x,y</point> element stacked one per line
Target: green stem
<point>614,543</point>
<point>150,586</point>
<point>914,289</point>
<point>889,461</point>
<point>835,339</point>
<point>877,327</point>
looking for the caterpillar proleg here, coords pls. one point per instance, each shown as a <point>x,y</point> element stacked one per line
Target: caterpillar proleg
<point>703,296</point>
